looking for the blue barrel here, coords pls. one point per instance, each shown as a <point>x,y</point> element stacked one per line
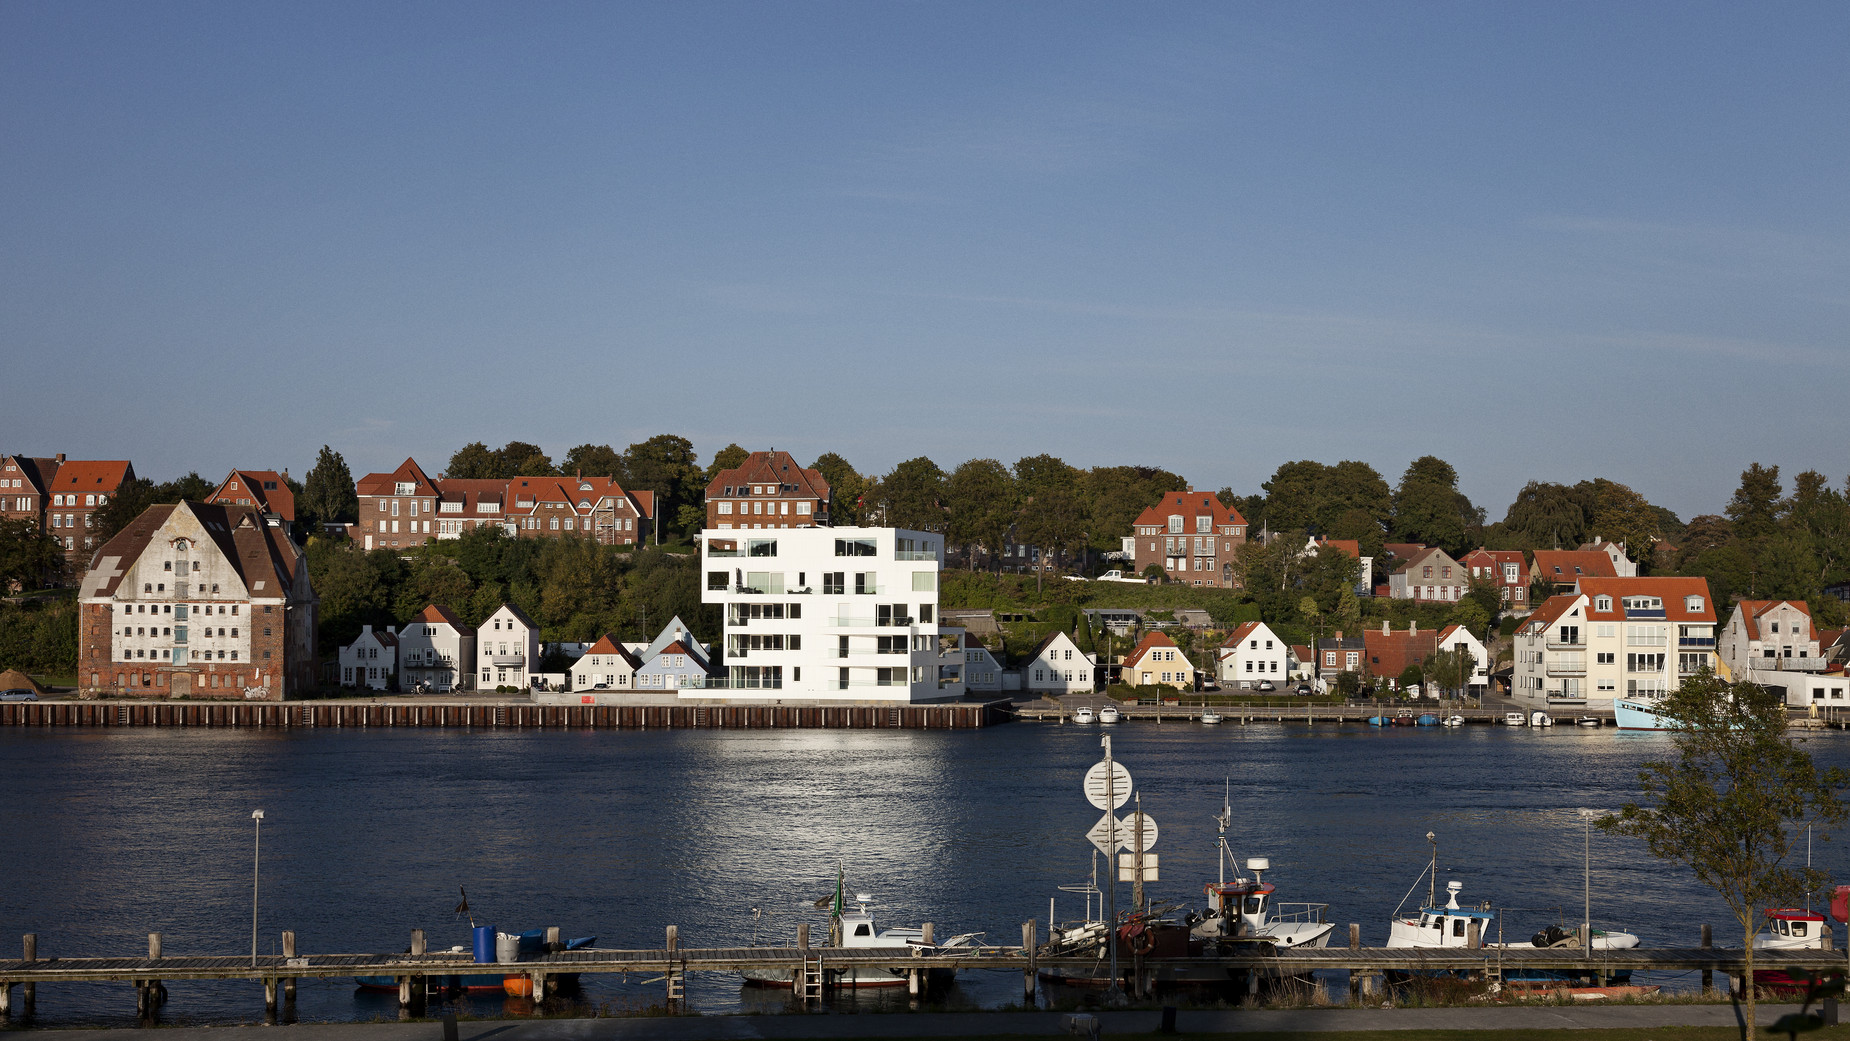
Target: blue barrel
<point>484,945</point>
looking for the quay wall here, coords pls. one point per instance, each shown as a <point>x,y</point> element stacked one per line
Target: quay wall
<point>358,715</point>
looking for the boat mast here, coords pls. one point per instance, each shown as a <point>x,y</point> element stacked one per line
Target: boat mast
<point>1432,875</point>
<point>1221,852</point>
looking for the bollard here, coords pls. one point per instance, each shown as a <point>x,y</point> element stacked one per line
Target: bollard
<point>1355,936</point>
<point>674,937</point>
<point>802,936</point>
<point>553,945</point>
<point>1030,948</point>
<point>154,946</point>
<point>154,994</point>
<point>1708,975</point>
<point>29,991</point>
<point>288,955</point>
<point>928,934</point>
<point>449,1027</point>
<point>1169,1020</point>
<point>417,941</point>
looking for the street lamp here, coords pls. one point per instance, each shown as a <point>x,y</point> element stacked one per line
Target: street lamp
<point>256,853</point>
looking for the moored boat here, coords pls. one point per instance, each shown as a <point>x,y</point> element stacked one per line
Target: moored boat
<point>1427,719</point>
<point>1515,719</point>
<point>1453,721</point>
<point>1588,721</point>
<point>1109,715</point>
<point>1789,929</point>
<point>1638,713</point>
<point>1209,717</point>
<point>855,928</point>
<point>494,978</point>
<point>1083,714</point>
<point>1539,718</point>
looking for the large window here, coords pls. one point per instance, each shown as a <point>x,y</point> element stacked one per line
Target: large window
<point>867,582</point>
<point>855,547</point>
<point>834,583</point>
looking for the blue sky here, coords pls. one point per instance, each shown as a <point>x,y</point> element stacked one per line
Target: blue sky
<point>1542,241</point>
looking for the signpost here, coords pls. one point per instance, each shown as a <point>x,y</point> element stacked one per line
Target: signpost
<point>1108,787</point>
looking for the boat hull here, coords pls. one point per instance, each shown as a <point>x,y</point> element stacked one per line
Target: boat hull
<point>1634,714</point>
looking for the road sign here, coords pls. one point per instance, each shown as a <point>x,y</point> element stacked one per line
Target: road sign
<point>1120,780</point>
<point>1099,833</point>
<point>1127,868</point>
<point>1127,831</point>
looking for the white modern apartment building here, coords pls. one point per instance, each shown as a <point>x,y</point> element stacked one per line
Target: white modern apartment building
<point>1616,637</point>
<point>827,614</point>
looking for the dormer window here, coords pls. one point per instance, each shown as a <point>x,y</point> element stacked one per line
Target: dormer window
<point>405,488</point>
<point>1175,524</point>
<point>1602,604</point>
<point>1203,525</point>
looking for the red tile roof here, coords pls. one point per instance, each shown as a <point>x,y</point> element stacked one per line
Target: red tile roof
<point>438,615</point>
<point>1150,642</point>
<point>264,488</point>
<point>1353,547</point>
<point>387,484</point>
<point>1233,638</point>
<point>1390,653</point>
<point>1544,616</point>
<point>1751,610</point>
<point>91,475</point>
<point>1673,591</point>
<point>1572,565</point>
<point>1189,504</point>
<point>608,644</point>
<point>772,467</point>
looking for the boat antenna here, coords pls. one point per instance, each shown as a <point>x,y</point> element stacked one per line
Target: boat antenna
<point>1432,881</point>
<point>1220,823</point>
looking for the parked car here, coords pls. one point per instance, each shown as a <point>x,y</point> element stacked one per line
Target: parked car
<point>1119,576</point>
<point>1305,690</point>
<point>18,694</point>
<point>1265,685</point>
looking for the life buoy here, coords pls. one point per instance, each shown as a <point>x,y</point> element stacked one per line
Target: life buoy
<point>1137,935</point>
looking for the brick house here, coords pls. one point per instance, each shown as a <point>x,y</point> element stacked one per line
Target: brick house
<point>1339,654</point>
<point>198,599</point>
<point>397,509</point>
<point>1192,537</point>
<point>77,490</point>
<point>409,508</point>
<point>267,490</point>
<point>768,490</point>
<point>25,487</point>
<point>1430,576</point>
<point>1390,653</point>
<point>1504,568</point>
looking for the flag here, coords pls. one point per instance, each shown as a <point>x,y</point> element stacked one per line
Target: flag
<point>463,908</point>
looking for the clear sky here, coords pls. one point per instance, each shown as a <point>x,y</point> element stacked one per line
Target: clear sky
<point>1540,240</point>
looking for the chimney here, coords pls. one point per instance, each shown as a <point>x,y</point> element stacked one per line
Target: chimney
<point>59,458</point>
<point>1413,627</point>
<point>1386,627</point>
<point>1339,636</point>
<point>366,630</point>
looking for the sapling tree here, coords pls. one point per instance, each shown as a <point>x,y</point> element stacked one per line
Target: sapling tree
<point>1732,802</point>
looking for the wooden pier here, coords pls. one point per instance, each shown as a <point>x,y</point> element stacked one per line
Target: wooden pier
<point>480,715</point>
<point>1310,715</point>
<point>673,964</point>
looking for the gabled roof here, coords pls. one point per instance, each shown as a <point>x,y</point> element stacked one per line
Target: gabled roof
<point>1051,638</point>
<point>1446,634</point>
<point>676,631</point>
<point>91,475</point>
<point>262,557</point>
<point>772,467</point>
<point>387,484</point>
<point>474,493</point>
<point>1391,652</point>
<point>1430,554</point>
<point>1235,637</point>
<point>1495,556</point>
<point>1353,547</point>
<point>266,489</point>
<point>1550,611</point>
<point>38,473</point>
<point>1402,550</point>
<point>1572,565</point>
<point>519,615</point>
<point>383,637</point>
<point>1150,642</point>
<point>1751,610</point>
<point>1673,591</point>
<point>1301,651</point>
<point>437,614</point>
<point>608,644</point>
<point>1189,504</point>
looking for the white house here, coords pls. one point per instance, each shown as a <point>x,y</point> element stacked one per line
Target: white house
<point>1252,653</point>
<point>508,651</point>
<point>675,661</point>
<point>1058,666</point>
<point>827,614</point>
<point>1770,636</point>
<point>436,648</point>
<point>1622,565</point>
<point>982,673</point>
<point>1457,637</point>
<point>1615,637</point>
<point>370,660</point>
<point>606,670</point>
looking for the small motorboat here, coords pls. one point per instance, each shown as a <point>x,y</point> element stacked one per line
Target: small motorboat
<point>856,928</point>
<point>1515,719</point>
<point>1109,714</point>
<point>1588,721</point>
<point>1209,717</point>
<point>1787,929</point>
<point>1378,721</point>
<point>1538,718</point>
<point>1453,721</point>
<point>1083,714</point>
<point>1427,719</point>
<point>1403,718</point>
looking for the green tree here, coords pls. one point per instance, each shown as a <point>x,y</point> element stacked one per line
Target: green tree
<point>1052,521</point>
<point>1547,516</point>
<point>847,488</point>
<point>475,461</point>
<point>588,460</point>
<point>666,465</point>
<point>1621,515</point>
<point>28,556</point>
<point>1116,495</point>
<point>520,459</point>
<point>1732,800</point>
<point>1429,508</point>
<point>727,458</point>
<point>328,493</point>
<point>1449,669</point>
<point>1755,506</point>
<point>132,498</point>
<point>912,496</point>
<point>981,501</point>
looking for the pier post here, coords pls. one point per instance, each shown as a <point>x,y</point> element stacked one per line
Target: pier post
<point>1032,949</point>
<point>537,983</point>
<point>404,992</point>
<point>1355,936</point>
<point>552,939</point>
<point>1708,975</point>
<point>269,995</point>
<point>672,978</point>
<point>157,992</point>
<point>288,955</point>
<point>419,984</point>
<point>28,993</point>
<point>1355,974</point>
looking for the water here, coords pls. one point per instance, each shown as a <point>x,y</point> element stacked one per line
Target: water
<point>111,835</point>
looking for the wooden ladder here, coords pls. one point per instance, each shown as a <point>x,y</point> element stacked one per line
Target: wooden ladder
<point>809,982</point>
<point>500,716</point>
<point>700,716</point>
<point>122,716</point>
<point>893,719</point>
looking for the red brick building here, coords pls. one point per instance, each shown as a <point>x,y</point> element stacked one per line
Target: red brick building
<point>1504,569</point>
<point>767,490</point>
<point>1192,537</point>
<point>267,490</point>
<point>25,487</point>
<point>79,488</point>
<point>198,599</point>
<point>407,508</point>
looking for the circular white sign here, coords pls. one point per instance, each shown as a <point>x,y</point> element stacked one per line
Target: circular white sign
<point>1119,780</point>
<point>1127,831</point>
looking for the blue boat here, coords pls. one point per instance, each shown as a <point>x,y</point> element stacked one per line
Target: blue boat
<point>1428,720</point>
<point>1379,721</point>
<point>1637,713</point>
<point>517,984</point>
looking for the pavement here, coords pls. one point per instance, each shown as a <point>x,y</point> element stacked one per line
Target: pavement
<point>794,1027</point>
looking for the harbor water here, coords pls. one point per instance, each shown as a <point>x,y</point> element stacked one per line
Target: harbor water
<point>733,835</point>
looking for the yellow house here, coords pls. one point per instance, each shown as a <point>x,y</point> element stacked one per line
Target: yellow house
<point>1157,661</point>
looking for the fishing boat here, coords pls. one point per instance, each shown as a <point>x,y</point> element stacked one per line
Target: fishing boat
<point>1083,714</point>
<point>1789,929</point>
<point>1639,712</point>
<point>1246,911</point>
<point>1109,715</point>
<point>1403,718</point>
<point>855,927</point>
<point>514,984</point>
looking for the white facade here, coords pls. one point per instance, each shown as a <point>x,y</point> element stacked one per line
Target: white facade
<point>507,650</point>
<point>828,614</point>
<point>982,673</point>
<point>1454,637</point>
<point>1058,666</point>
<point>1618,637</point>
<point>370,660</point>
<point>1769,636</point>
<point>1252,653</point>
<point>435,648</point>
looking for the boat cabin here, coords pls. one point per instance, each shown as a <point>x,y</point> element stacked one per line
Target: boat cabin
<point>1448,926</point>
<point>1244,904</point>
<point>1794,927</point>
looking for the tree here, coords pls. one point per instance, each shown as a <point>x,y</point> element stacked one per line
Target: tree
<point>1732,800</point>
<point>1052,521</point>
<point>520,459</point>
<point>29,557</point>
<point>328,494</point>
<point>590,460</point>
<point>133,498</point>
<point>475,461</point>
<point>1755,506</point>
<point>1116,495</point>
<point>981,498</point>
<point>727,458</point>
<point>1621,515</point>
<point>1450,669</point>
<point>1547,516</point>
<point>847,488</point>
<point>666,465</point>
<point>912,496</point>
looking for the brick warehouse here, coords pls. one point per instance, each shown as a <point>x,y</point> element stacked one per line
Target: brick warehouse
<point>198,599</point>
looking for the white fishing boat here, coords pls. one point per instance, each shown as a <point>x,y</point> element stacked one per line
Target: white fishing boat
<point>1452,721</point>
<point>1083,714</point>
<point>1246,910</point>
<point>1449,925</point>
<point>1109,715</point>
<point>853,928</point>
<point>1515,719</point>
<point>1209,717</point>
<point>1539,718</point>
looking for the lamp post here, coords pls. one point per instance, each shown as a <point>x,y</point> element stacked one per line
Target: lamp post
<point>256,855</point>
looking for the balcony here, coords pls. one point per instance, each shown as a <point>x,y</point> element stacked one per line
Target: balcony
<point>1555,643</point>
<point>507,661</point>
<point>1564,669</point>
<point>1783,664</point>
<point>841,622</point>
<point>916,554</point>
<point>1695,641</point>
